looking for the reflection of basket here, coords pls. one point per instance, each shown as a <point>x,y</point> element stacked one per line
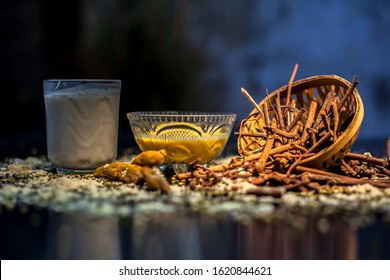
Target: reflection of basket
<point>303,92</point>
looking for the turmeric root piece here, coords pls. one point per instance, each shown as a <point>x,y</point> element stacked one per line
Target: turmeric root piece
<point>154,180</point>
<point>150,158</point>
<point>143,168</point>
<point>126,172</point>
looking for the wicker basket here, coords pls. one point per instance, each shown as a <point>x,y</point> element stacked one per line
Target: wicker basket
<point>303,92</point>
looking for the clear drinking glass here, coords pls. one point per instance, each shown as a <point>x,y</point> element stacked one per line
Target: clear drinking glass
<point>81,123</point>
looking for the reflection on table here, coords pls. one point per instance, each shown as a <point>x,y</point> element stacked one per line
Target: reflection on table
<point>42,234</point>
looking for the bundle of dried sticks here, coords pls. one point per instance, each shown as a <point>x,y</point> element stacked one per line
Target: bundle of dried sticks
<point>299,138</point>
<point>295,123</point>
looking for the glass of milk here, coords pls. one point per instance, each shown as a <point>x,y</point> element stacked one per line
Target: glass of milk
<point>81,123</point>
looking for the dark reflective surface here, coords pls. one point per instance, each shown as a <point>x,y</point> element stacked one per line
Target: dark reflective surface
<point>36,233</point>
<point>42,234</point>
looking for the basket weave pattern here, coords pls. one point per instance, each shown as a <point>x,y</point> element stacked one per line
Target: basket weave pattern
<point>301,94</point>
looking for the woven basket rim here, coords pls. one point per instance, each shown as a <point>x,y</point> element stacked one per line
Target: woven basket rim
<point>313,81</point>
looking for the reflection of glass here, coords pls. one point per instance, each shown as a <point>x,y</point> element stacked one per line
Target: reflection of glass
<point>165,236</point>
<point>83,237</point>
<point>186,136</point>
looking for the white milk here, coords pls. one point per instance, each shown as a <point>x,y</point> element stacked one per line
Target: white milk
<point>82,128</point>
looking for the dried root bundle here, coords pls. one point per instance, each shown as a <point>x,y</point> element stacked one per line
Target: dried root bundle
<point>297,139</point>
<point>310,122</point>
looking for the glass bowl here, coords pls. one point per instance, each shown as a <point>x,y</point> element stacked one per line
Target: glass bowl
<point>186,136</point>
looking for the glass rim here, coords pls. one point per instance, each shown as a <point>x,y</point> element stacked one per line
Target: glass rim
<point>180,113</point>
<point>82,80</point>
